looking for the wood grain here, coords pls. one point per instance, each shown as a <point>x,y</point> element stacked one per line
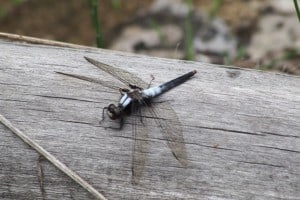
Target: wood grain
<point>241,129</point>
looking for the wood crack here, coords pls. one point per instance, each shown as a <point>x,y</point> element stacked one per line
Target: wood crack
<point>260,163</point>
<point>75,122</point>
<point>229,130</point>
<point>281,149</point>
<point>281,135</point>
<point>13,100</point>
<point>65,98</point>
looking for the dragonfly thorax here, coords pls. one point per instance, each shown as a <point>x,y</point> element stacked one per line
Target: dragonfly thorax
<point>125,103</point>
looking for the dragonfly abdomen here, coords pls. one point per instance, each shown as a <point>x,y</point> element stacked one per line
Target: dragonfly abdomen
<point>177,81</point>
<point>152,92</point>
<point>158,90</point>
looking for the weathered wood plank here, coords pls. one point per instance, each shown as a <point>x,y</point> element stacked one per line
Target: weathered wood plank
<point>241,129</point>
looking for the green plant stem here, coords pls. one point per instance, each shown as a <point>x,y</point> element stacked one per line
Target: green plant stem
<point>16,2</point>
<point>95,20</point>
<point>215,8</point>
<point>189,51</point>
<point>156,27</point>
<point>297,9</point>
<point>116,4</point>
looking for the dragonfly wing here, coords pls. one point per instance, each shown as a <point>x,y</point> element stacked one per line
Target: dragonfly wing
<point>166,118</point>
<point>110,85</point>
<point>124,76</point>
<point>141,145</point>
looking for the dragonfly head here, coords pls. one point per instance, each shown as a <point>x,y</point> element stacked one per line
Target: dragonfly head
<point>113,111</point>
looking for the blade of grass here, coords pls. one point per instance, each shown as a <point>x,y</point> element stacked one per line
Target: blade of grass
<point>61,166</point>
<point>116,4</point>
<point>2,12</point>
<point>17,2</point>
<point>215,8</point>
<point>156,27</point>
<point>297,9</point>
<point>95,20</point>
<point>189,51</point>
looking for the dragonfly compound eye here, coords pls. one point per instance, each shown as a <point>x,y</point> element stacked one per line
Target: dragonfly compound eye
<point>113,112</point>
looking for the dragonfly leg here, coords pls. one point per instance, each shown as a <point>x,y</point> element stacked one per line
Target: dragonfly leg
<point>152,79</point>
<point>123,91</point>
<point>141,117</point>
<point>136,109</point>
<point>121,123</point>
<point>103,111</point>
<point>118,128</point>
<point>161,101</point>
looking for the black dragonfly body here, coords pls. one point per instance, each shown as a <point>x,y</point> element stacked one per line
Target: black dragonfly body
<point>134,98</point>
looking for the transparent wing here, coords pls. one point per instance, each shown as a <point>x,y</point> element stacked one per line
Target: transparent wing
<point>166,118</point>
<point>140,145</point>
<point>103,83</point>
<point>124,76</point>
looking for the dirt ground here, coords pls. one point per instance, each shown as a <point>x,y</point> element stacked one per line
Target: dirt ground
<point>70,21</point>
<point>67,21</point>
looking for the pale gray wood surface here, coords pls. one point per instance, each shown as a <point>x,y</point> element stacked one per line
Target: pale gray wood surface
<point>241,128</point>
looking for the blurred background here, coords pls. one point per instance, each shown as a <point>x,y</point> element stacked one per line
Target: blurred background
<point>259,34</point>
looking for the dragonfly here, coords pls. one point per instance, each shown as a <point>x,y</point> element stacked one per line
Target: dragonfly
<point>137,99</point>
